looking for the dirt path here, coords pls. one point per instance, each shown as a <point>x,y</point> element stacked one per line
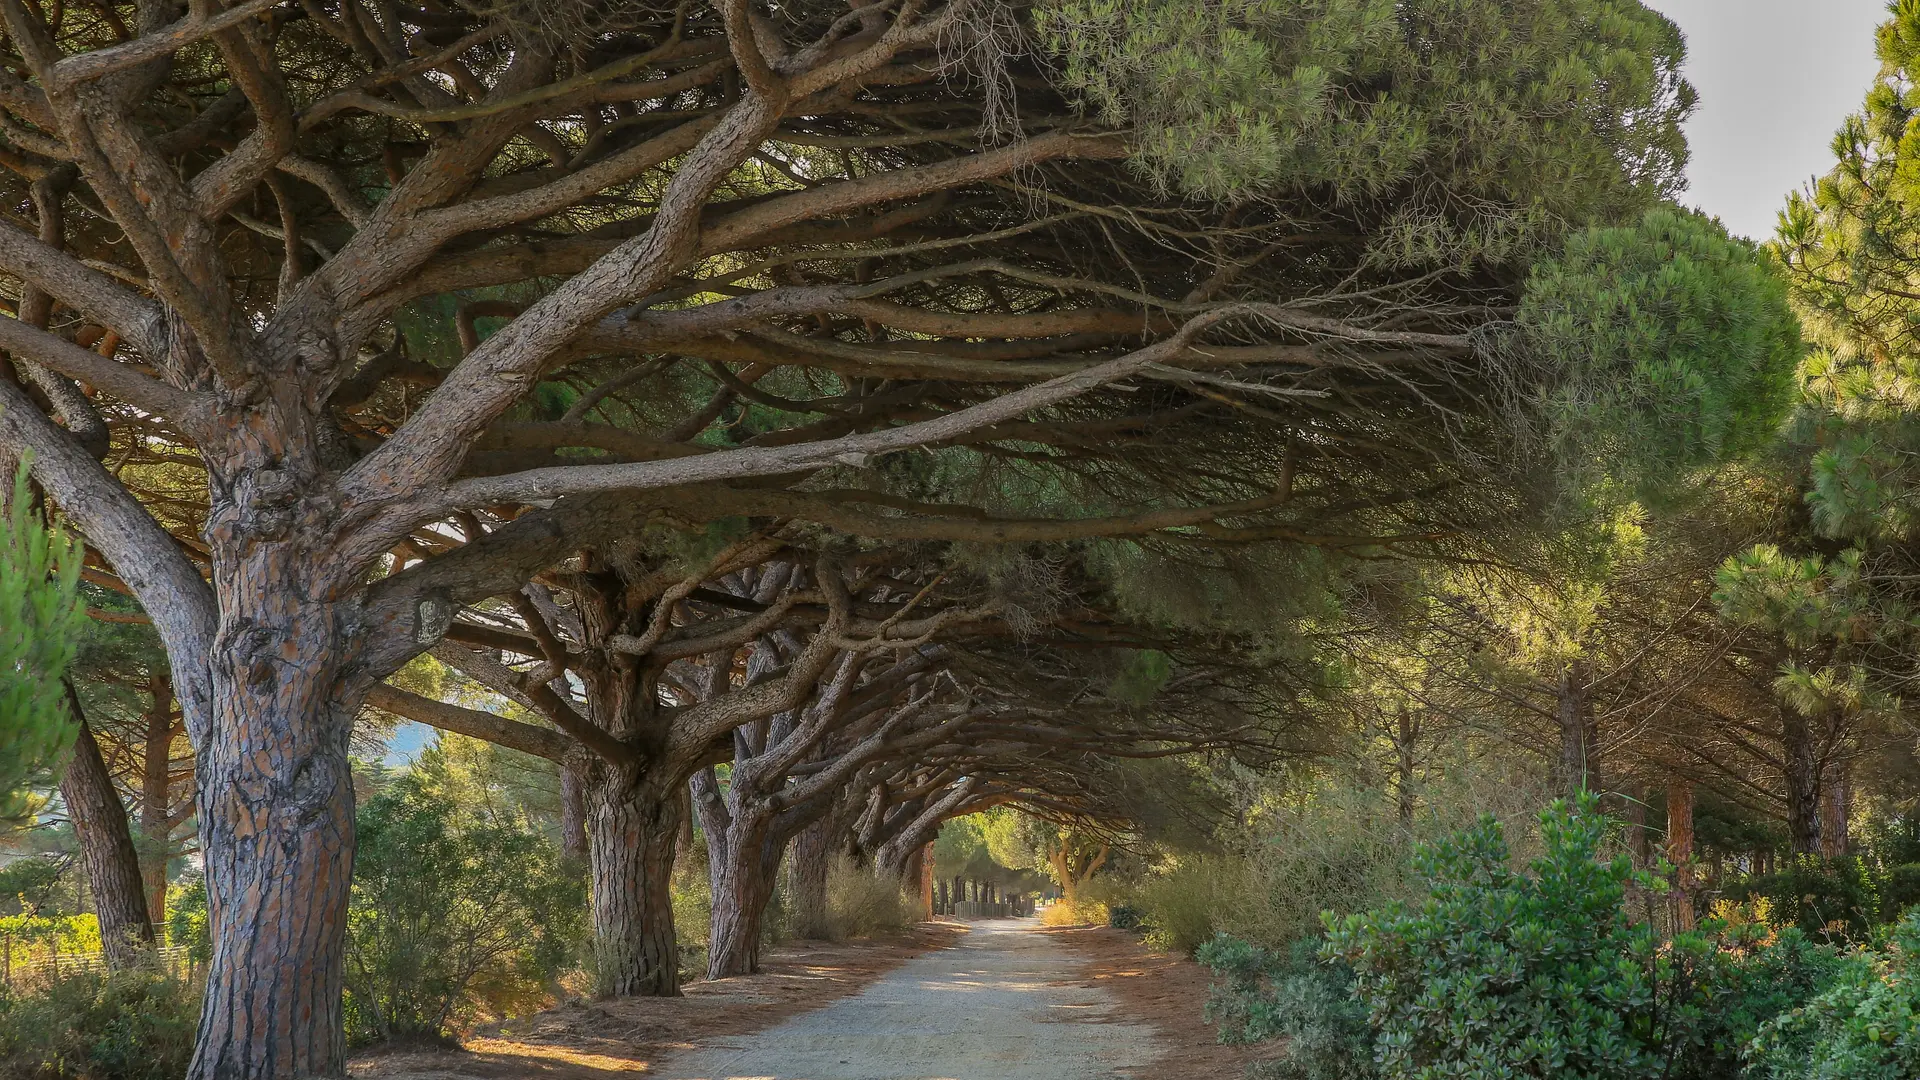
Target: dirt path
<point>1006,1003</point>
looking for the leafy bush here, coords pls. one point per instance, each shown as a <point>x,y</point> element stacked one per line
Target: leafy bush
<point>1507,975</point>
<point>1126,917</point>
<point>1289,995</point>
<point>1900,891</point>
<point>1180,905</point>
<point>692,912</point>
<point>861,903</point>
<point>187,923</point>
<point>1330,847</point>
<point>451,915</point>
<point>1866,1027</point>
<point>132,1025</point>
<point>1829,901</point>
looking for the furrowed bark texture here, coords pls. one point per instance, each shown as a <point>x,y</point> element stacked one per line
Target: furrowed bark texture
<point>632,833</point>
<point>156,795</point>
<point>807,864</point>
<point>275,795</point>
<point>106,846</point>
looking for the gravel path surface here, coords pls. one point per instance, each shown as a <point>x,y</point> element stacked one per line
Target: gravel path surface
<point>1005,1004</point>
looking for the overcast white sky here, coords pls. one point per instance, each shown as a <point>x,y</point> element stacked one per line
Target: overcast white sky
<point>1776,78</point>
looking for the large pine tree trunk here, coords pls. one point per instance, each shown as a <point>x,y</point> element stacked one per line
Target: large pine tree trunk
<point>744,888</point>
<point>1802,777</point>
<point>807,879</point>
<point>275,795</point>
<point>632,831</point>
<point>106,846</point>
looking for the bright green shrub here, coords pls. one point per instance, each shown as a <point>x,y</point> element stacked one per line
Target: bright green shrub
<point>187,923</point>
<point>1866,1027</point>
<point>1290,995</point>
<point>1501,975</point>
<point>133,1025</point>
<point>452,916</point>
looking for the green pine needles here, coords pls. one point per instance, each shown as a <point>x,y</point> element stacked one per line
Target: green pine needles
<point>1471,131</point>
<point>1669,345</point>
<point>41,618</point>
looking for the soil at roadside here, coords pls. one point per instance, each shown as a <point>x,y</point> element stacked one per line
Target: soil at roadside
<point>1165,990</point>
<point>599,1039</point>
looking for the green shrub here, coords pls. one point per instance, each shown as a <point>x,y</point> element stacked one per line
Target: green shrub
<point>187,916</point>
<point>1508,975</point>
<point>1127,917</point>
<point>1866,1027</point>
<point>1829,901</point>
<point>452,916</point>
<point>862,903</point>
<point>1900,891</point>
<point>1180,906</point>
<point>132,1025</point>
<point>1330,846</point>
<point>1290,995</point>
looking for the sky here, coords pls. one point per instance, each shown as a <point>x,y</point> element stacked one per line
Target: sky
<point>1776,78</point>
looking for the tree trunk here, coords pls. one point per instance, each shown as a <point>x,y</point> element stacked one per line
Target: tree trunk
<point>1680,850</point>
<point>275,794</point>
<point>106,845</point>
<point>1634,813</point>
<point>1836,806</point>
<point>1406,735</point>
<point>807,879</point>
<point>633,830</point>
<point>1578,752</point>
<point>573,809</point>
<point>1802,777</point>
<point>743,888</point>
<point>156,796</point>
<point>922,877</point>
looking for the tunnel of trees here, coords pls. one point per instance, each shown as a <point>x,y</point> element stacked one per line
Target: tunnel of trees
<point>796,427</point>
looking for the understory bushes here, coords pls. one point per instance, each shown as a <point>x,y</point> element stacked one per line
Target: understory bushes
<point>454,917</point>
<point>862,903</point>
<point>1502,974</point>
<point>132,1025</point>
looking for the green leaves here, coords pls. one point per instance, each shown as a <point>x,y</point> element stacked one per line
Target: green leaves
<point>1668,346</point>
<point>1867,1027</point>
<point>41,619</point>
<point>1475,129</point>
<point>1501,975</point>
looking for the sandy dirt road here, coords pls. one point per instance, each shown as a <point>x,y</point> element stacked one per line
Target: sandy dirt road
<point>1006,1003</point>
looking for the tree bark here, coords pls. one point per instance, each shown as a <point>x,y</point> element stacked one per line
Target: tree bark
<point>1578,765</point>
<point>1680,850</point>
<point>1802,779</point>
<point>1836,806</point>
<point>807,879</point>
<point>743,888</point>
<point>633,831</point>
<point>573,809</point>
<point>156,796</point>
<point>275,794</point>
<point>106,846</point>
